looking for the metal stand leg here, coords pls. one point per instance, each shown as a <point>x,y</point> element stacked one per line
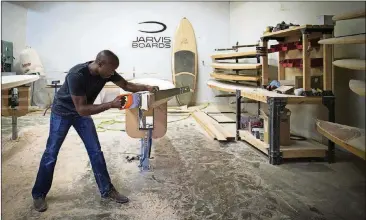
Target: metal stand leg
<point>276,106</point>
<point>329,102</point>
<point>238,114</point>
<point>14,124</point>
<point>54,95</point>
<point>145,151</point>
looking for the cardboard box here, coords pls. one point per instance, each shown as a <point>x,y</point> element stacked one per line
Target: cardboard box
<point>284,127</point>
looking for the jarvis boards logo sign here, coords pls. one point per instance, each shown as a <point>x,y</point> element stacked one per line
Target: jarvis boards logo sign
<point>152,42</point>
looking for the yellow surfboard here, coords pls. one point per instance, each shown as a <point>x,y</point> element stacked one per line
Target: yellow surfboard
<point>185,60</point>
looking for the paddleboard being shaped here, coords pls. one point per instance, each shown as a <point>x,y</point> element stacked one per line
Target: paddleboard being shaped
<point>184,59</point>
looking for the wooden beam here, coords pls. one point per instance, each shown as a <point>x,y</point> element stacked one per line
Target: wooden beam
<point>264,62</point>
<point>327,65</point>
<point>209,125</point>
<point>306,63</point>
<point>281,69</point>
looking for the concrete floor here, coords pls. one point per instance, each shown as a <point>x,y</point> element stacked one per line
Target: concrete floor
<point>193,178</point>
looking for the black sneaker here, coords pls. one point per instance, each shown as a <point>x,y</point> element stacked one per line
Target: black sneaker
<point>40,204</point>
<point>115,196</point>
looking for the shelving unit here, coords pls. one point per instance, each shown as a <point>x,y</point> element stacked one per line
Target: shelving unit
<point>350,138</point>
<point>298,38</point>
<point>303,38</point>
<point>227,70</point>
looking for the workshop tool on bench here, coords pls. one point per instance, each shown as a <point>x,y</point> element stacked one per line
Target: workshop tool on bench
<point>54,85</point>
<point>146,118</point>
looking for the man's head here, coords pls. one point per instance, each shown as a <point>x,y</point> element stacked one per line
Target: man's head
<point>107,63</point>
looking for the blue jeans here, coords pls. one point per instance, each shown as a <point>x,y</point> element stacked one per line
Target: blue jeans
<point>59,127</point>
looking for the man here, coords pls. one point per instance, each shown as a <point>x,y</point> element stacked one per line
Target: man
<point>72,106</point>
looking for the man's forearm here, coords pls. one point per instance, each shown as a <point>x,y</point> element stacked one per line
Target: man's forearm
<point>87,110</point>
<point>134,87</point>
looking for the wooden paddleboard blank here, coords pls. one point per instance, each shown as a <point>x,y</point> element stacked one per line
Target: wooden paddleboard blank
<point>8,82</point>
<point>234,55</point>
<point>237,66</point>
<point>233,77</point>
<point>355,39</point>
<point>352,64</point>
<point>350,138</point>
<point>184,60</point>
<point>357,86</point>
<point>350,15</point>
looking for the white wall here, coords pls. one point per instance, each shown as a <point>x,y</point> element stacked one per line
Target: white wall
<point>13,28</point>
<point>248,20</point>
<point>68,33</point>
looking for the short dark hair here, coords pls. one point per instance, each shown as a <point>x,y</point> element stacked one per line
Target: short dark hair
<point>105,56</point>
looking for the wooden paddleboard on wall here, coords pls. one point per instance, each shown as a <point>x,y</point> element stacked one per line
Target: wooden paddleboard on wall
<point>350,138</point>
<point>352,64</point>
<point>350,15</point>
<point>184,60</point>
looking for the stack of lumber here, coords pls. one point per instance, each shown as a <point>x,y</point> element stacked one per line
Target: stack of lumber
<point>218,122</point>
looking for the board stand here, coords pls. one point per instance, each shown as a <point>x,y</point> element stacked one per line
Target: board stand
<point>146,142</point>
<point>147,120</point>
<point>14,102</point>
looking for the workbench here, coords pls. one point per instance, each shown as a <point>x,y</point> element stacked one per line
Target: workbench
<point>276,103</point>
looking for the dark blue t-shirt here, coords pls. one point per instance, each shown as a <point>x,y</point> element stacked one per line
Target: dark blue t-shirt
<point>79,82</point>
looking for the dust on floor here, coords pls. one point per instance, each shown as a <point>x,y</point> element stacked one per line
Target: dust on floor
<point>193,177</point>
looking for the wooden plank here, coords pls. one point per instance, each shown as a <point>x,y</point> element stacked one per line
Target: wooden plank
<point>296,30</point>
<point>223,117</point>
<point>216,108</point>
<point>248,137</point>
<point>306,63</point>
<point>234,55</point>
<point>205,121</point>
<point>327,65</point>
<point>304,149</point>
<point>237,66</point>
<point>354,39</point>
<point>281,69</point>
<point>353,64</point>
<point>357,86</point>
<point>298,149</point>
<point>264,62</point>
<point>350,138</point>
<point>260,94</point>
<point>233,77</point>
<point>350,15</point>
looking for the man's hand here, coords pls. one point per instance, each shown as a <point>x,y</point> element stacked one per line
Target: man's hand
<point>119,101</point>
<point>152,88</point>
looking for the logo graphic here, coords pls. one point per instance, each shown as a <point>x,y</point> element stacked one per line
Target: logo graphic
<point>150,41</point>
<point>154,22</point>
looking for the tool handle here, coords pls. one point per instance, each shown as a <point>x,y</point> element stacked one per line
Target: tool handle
<point>128,102</point>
